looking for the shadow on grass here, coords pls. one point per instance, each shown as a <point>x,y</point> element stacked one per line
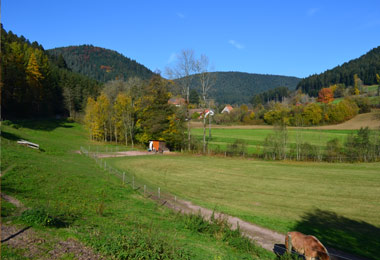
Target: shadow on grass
<point>342,233</point>
<point>42,124</point>
<point>10,136</point>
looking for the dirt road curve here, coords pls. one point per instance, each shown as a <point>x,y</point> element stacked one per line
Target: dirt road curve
<point>266,238</point>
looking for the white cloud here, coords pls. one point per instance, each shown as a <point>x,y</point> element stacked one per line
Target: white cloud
<point>236,44</point>
<point>312,11</point>
<point>181,15</point>
<point>172,57</point>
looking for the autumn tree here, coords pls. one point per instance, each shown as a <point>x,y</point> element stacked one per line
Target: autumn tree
<point>183,68</point>
<point>157,119</point>
<point>206,81</point>
<point>312,114</point>
<point>90,119</point>
<point>102,115</point>
<point>325,95</point>
<point>356,84</point>
<point>123,112</point>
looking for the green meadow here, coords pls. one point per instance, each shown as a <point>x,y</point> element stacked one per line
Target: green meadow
<point>255,138</point>
<point>339,203</point>
<point>69,196</point>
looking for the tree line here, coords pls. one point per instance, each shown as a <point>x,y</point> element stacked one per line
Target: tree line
<point>35,84</point>
<point>362,146</point>
<point>136,110</point>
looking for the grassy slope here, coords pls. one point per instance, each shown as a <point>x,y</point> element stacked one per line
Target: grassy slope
<point>254,138</point>
<point>72,188</point>
<point>336,202</point>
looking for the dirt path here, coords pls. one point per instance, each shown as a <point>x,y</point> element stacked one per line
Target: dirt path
<point>37,246</point>
<point>266,238</point>
<point>122,154</point>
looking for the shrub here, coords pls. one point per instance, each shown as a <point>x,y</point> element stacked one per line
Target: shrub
<point>363,103</point>
<point>41,217</point>
<point>139,244</point>
<point>333,150</point>
<point>219,228</point>
<point>239,147</point>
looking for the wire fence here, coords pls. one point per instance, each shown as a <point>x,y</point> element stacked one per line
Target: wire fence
<point>149,190</point>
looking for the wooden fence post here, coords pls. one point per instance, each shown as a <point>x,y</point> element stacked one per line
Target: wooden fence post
<point>159,195</point>
<point>289,249</point>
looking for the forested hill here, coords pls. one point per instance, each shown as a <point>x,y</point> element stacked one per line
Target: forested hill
<point>101,64</point>
<point>240,87</point>
<point>365,67</point>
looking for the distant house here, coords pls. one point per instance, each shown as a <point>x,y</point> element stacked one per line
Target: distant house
<point>227,109</point>
<point>177,101</point>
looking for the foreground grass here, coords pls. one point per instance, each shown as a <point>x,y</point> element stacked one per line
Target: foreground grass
<point>337,202</point>
<point>85,203</point>
<point>255,138</point>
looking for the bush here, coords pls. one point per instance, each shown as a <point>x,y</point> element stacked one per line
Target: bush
<point>139,244</point>
<point>220,229</point>
<point>363,103</point>
<point>333,150</point>
<point>308,151</point>
<point>41,217</point>
<point>238,148</point>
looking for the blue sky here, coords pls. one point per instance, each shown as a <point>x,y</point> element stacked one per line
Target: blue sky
<point>294,38</point>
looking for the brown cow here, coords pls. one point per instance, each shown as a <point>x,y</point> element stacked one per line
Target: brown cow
<point>309,246</point>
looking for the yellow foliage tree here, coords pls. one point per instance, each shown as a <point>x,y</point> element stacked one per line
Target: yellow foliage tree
<point>122,117</point>
<point>33,74</point>
<point>103,111</point>
<point>356,85</point>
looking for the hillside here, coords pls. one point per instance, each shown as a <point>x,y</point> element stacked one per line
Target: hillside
<point>240,87</point>
<point>70,198</point>
<point>365,67</point>
<point>101,64</point>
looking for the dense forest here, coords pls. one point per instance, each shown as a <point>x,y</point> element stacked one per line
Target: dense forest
<point>101,64</point>
<point>365,67</point>
<point>276,94</point>
<point>34,84</point>
<point>239,87</point>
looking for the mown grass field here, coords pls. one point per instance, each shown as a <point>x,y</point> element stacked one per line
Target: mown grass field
<point>255,138</point>
<point>92,205</point>
<point>339,203</point>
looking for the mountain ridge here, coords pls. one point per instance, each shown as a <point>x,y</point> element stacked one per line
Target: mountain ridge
<point>366,67</point>
<point>100,63</point>
<point>234,87</point>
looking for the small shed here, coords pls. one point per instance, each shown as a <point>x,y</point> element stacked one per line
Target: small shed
<point>157,146</point>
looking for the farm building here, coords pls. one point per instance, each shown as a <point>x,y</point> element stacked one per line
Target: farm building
<point>177,101</point>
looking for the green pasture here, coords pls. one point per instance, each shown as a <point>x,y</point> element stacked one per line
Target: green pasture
<point>370,89</point>
<point>339,203</point>
<point>88,204</point>
<point>255,138</point>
